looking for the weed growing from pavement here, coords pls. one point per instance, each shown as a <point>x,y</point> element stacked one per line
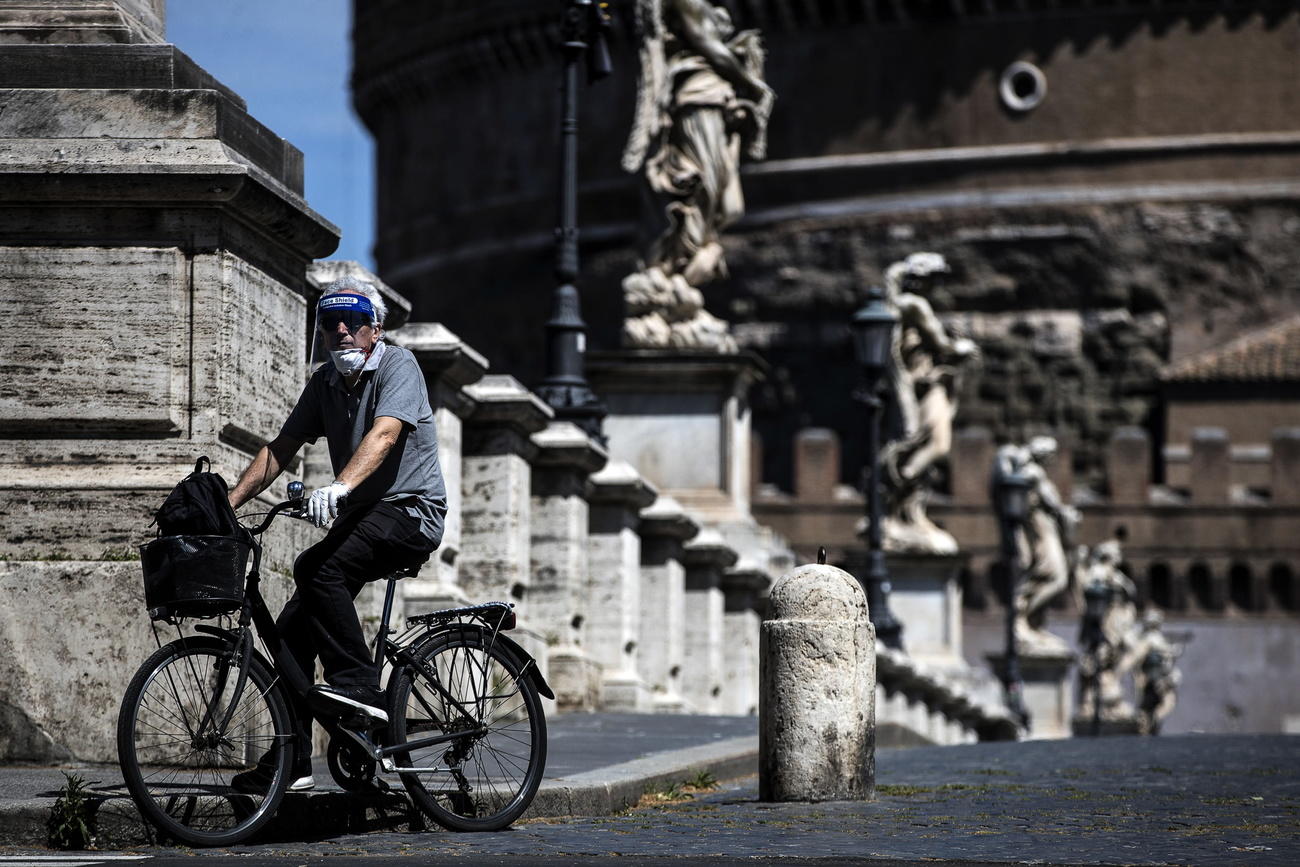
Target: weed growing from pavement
<point>71,825</point>
<point>993,772</point>
<point>678,792</point>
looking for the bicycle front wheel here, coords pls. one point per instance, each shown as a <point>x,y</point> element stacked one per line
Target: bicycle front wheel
<point>188,728</point>
<point>485,779</point>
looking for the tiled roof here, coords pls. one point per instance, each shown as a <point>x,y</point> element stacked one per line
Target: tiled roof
<point>1270,354</point>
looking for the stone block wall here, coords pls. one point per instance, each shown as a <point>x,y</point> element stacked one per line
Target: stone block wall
<point>155,243</point>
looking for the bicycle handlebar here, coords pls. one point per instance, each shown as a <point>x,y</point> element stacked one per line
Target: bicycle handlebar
<point>295,500</point>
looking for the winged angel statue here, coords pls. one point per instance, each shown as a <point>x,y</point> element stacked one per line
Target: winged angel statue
<point>701,104</point>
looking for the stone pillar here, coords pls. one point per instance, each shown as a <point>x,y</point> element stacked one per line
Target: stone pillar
<point>1285,471</point>
<point>566,457</point>
<point>618,494</point>
<point>742,587</point>
<point>449,366</point>
<point>1048,693</point>
<point>665,526</point>
<point>817,701</point>
<point>705,558</point>
<point>145,211</point>
<point>1210,469</point>
<point>972,455</point>
<point>496,484</point>
<point>816,464</point>
<point>1128,466</point>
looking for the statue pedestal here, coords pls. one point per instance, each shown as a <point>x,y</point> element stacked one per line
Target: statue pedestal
<point>683,420</point>
<point>925,596</point>
<point>1047,693</point>
<point>1082,726</point>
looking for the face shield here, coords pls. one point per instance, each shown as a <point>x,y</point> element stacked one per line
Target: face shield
<point>345,332</point>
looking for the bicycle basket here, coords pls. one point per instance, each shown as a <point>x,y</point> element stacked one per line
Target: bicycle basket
<point>193,576</point>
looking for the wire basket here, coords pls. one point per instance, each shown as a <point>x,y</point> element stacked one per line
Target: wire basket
<point>194,576</point>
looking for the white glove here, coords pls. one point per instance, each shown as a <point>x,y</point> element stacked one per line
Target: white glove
<point>323,505</point>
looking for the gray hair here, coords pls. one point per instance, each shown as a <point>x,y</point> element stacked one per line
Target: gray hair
<point>360,287</point>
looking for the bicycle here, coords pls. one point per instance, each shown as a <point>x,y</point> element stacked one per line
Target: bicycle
<point>466,733</point>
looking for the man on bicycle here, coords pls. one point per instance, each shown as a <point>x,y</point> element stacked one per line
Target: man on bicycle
<point>387,500</point>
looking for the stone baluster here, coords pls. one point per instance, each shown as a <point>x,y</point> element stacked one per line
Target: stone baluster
<point>742,587</point>
<point>1128,466</point>
<point>449,366</point>
<point>496,529</point>
<point>1210,469</point>
<point>972,455</point>
<point>816,465</point>
<point>618,494</point>
<point>1285,470</point>
<point>665,527</point>
<point>705,558</point>
<point>560,523</point>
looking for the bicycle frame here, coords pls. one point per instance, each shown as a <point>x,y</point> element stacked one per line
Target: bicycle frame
<point>255,612</point>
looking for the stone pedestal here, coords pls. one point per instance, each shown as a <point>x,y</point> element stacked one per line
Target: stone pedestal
<point>660,401</point>
<point>665,527</point>
<point>1082,727</point>
<point>618,494</point>
<point>145,211</point>
<point>926,598</point>
<point>449,366</point>
<point>566,458</point>
<point>742,586</point>
<point>705,557</point>
<point>1047,693</point>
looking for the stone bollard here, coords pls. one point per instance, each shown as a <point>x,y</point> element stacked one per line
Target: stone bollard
<point>817,694</point>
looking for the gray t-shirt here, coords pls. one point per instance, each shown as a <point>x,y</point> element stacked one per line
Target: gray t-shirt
<point>391,385</point>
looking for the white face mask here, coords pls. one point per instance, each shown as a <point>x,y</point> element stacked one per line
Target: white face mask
<point>348,361</point>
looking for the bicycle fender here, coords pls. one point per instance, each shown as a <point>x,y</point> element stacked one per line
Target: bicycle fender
<point>534,670</point>
<point>229,635</point>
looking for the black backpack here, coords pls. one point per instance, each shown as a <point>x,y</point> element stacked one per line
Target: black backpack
<point>198,506</point>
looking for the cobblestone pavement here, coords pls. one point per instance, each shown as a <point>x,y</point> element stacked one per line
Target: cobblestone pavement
<point>1203,800</point>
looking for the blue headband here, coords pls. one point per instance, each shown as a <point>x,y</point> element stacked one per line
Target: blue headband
<point>341,303</point>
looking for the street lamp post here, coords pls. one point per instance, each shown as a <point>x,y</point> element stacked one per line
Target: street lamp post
<point>1097,599</point>
<point>565,388</point>
<point>1011,494</point>
<point>873,333</point>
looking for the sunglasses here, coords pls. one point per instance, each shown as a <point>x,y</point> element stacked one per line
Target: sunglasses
<point>354,321</point>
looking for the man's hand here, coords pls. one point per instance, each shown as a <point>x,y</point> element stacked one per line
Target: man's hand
<point>323,505</point>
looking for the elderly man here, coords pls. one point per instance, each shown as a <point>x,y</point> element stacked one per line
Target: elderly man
<point>387,500</point>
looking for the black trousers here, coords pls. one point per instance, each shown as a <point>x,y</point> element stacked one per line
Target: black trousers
<point>320,620</point>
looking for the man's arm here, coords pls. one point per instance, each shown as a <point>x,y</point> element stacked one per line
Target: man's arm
<point>269,462</point>
<point>374,447</point>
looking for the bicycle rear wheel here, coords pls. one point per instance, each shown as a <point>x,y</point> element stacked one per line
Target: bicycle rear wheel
<point>178,760</point>
<point>485,780</point>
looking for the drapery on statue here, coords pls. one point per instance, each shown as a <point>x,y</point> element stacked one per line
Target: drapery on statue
<point>1040,542</point>
<point>1152,657</point>
<point>927,362</point>
<point>1108,644</point>
<point>701,103</point>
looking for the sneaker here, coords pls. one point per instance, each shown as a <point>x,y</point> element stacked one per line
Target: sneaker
<point>359,700</point>
<point>258,780</point>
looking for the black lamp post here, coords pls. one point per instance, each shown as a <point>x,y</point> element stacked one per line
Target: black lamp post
<point>873,334</point>
<point>1011,492</point>
<point>1096,598</point>
<point>565,388</point>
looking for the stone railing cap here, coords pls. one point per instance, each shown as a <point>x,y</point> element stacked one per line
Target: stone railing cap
<point>502,399</point>
<point>667,517</point>
<point>709,548</point>
<point>564,444</point>
<point>746,575</point>
<point>323,272</point>
<point>436,346</point>
<point>619,482</point>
